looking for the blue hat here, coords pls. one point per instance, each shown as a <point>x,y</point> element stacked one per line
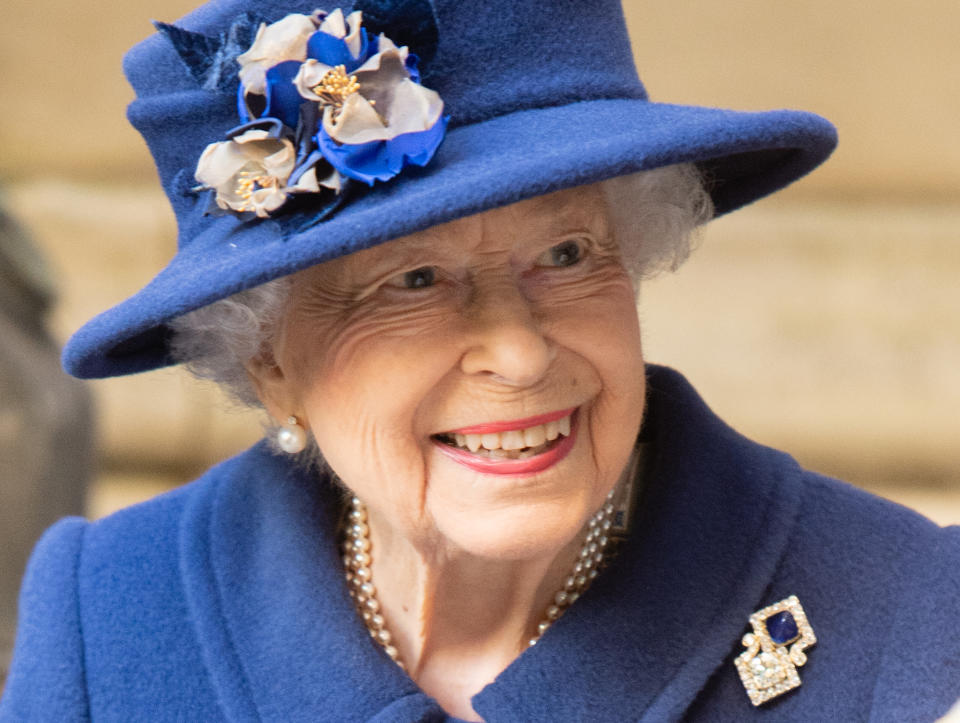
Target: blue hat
<point>511,99</point>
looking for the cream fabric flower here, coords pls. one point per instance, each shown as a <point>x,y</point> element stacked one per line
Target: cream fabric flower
<point>386,104</point>
<point>249,172</point>
<point>348,29</point>
<point>323,105</point>
<point>313,71</point>
<point>311,182</point>
<point>283,40</point>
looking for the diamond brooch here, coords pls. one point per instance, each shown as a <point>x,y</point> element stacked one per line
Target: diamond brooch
<point>774,650</point>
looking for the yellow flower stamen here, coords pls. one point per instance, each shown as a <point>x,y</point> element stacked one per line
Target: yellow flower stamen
<point>336,86</point>
<point>249,183</point>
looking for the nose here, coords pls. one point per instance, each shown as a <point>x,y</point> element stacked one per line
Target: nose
<point>506,340</point>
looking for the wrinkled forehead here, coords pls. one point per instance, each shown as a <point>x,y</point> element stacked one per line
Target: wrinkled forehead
<point>582,208</point>
<point>583,204</point>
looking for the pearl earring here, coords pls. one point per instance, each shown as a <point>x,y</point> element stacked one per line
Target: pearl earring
<point>292,438</point>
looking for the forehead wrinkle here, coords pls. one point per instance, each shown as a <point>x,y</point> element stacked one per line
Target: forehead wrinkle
<point>578,202</point>
<point>542,217</point>
<point>565,210</point>
<point>570,210</point>
<point>429,243</point>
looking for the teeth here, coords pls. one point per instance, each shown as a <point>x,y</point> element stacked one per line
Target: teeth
<point>553,430</point>
<point>512,440</point>
<point>535,436</point>
<point>524,453</point>
<point>520,443</point>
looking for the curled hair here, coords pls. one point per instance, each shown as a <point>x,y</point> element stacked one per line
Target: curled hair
<point>216,341</point>
<point>654,215</point>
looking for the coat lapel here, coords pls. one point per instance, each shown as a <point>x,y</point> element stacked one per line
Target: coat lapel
<point>279,632</point>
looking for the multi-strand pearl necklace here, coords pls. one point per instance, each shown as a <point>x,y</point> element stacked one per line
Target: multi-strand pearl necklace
<point>356,562</point>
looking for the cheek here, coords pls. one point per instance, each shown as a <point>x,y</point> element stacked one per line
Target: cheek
<point>362,378</point>
<point>602,327</point>
<point>367,356</point>
<point>598,319</point>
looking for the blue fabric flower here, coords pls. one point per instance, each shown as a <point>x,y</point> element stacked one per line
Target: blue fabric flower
<point>321,102</point>
<point>283,100</point>
<point>382,160</point>
<point>377,120</point>
<point>341,41</point>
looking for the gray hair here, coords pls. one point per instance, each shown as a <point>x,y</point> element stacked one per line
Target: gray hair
<point>654,215</point>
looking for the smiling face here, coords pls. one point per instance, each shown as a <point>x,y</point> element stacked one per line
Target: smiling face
<point>479,385</point>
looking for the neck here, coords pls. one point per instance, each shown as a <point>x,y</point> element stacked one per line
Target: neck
<point>455,620</point>
<point>458,620</point>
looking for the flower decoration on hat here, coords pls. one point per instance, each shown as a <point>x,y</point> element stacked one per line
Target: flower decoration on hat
<point>322,104</point>
<point>255,169</point>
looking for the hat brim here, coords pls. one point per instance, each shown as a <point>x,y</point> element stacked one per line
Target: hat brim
<point>745,156</point>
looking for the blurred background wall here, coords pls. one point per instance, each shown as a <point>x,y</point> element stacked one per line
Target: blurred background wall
<point>825,321</point>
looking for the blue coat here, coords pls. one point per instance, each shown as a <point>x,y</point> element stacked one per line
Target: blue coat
<point>224,600</point>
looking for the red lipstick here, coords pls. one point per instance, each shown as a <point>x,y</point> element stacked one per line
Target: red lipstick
<point>492,427</point>
<point>530,465</point>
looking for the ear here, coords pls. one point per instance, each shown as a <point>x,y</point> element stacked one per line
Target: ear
<point>274,388</point>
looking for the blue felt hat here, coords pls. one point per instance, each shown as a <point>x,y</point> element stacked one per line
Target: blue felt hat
<point>537,96</point>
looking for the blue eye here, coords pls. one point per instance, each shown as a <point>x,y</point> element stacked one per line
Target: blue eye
<point>419,278</point>
<point>563,254</point>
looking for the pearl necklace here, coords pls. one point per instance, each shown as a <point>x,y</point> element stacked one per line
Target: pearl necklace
<point>357,560</point>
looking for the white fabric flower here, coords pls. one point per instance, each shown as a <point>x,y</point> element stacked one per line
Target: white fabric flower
<point>347,29</point>
<point>283,40</point>
<point>386,105</point>
<point>310,182</point>
<point>341,125</point>
<point>389,104</point>
<point>249,172</point>
<point>312,71</point>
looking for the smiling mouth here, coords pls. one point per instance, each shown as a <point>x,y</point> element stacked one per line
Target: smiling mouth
<point>521,443</point>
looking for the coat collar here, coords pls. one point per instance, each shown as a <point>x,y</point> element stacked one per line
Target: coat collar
<point>282,641</point>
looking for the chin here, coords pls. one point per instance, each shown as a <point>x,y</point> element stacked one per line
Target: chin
<point>520,530</point>
<point>515,516</point>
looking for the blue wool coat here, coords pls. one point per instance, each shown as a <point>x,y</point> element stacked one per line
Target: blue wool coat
<point>225,600</point>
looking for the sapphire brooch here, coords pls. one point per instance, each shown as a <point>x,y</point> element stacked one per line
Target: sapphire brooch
<point>774,650</point>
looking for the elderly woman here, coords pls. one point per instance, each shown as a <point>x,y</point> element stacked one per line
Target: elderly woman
<point>413,232</point>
